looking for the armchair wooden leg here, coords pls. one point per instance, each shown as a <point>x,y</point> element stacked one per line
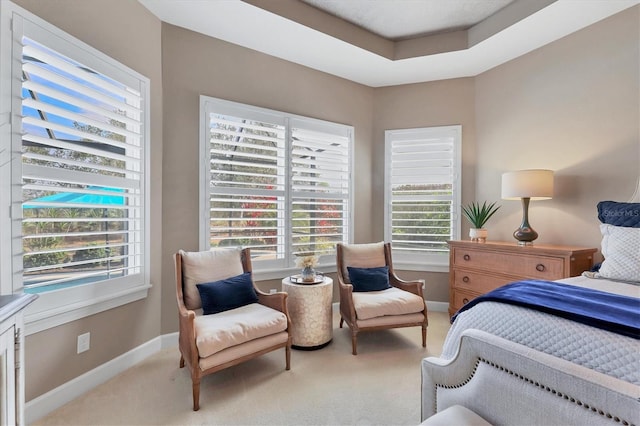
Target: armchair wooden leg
<point>196,394</point>
<point>181,361</point>
<point>424,336</point>
<point>354,343</point>
<point>288,357</point>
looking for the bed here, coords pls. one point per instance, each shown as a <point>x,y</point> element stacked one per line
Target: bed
<point>514,364</point>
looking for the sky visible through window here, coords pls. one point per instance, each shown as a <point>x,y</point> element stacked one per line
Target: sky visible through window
<point>51,86</point>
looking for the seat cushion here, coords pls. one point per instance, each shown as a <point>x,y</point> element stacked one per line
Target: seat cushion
<point>247,349</point>
<point>392,301</point>
<point>206,266</point>
<point>362,256</point>
<point>236,326</point>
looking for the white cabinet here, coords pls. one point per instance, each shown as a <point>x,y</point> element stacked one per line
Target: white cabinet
<point>7,374</point>
<point>12,358</point>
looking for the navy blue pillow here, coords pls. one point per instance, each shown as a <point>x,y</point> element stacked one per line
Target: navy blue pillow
<point>369,279</point>
<point>619,214</point>
<point>231,293</point>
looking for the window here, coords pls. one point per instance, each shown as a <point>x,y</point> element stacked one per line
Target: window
<point>422,196</point>
<point>77,143</point>
<point>277,183</point>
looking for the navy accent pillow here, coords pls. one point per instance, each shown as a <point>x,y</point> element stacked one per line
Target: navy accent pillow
<point>369,279</point>
<point>619,214</point>
<point>231,293</point>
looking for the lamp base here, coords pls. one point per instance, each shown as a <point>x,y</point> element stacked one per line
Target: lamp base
<point>525,236</point>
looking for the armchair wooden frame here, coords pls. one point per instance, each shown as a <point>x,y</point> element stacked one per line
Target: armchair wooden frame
<point>187,336</point>
<point>347,309</point>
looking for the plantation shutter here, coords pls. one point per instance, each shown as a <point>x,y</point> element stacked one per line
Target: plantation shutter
<point>422,181</point>
<point>319,187</point>
<point>274,182</point>
<point>82,168</point>
<point>247,184</point>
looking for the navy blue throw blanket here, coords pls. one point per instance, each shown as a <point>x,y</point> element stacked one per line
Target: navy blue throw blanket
<point>608,311</point>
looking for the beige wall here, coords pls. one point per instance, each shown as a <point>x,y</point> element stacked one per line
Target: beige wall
<point>130,34</point>
<point>197,65</point>
<point>440,103</point>
<point>572,107</point>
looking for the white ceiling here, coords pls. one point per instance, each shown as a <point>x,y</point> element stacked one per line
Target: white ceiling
<point>521,29</point>
<point>403,19</point>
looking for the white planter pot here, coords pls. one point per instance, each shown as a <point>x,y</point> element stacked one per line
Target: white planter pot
<point>478,235</point>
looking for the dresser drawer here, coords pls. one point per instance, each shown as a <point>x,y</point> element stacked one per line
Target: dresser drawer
<point>474,281</point>
<point>517,264</point>
<point>462,297</point>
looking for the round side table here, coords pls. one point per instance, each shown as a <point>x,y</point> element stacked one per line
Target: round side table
<point>310,310</point>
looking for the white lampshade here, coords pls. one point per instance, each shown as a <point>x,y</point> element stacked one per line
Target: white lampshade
<point>534,184</point>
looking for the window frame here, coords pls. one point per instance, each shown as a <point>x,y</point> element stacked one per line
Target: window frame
<point>265,270</point>
<point>425,262</point>
<point>56,307</point>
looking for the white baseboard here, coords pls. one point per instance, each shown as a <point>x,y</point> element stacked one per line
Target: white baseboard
<point>56,398</point>
<point>437,306</point>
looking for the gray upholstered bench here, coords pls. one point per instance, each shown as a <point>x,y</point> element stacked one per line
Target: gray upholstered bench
<point>455,415</point>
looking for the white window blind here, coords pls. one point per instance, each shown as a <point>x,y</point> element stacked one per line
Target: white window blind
<point>422,192</point>
<point>82,169</point>
<point>74,145</point>
<point>276,183</point>
<point>320,188</point>
<point>247,183</point>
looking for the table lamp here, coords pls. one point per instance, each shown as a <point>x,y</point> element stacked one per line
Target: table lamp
<point>527,185</point>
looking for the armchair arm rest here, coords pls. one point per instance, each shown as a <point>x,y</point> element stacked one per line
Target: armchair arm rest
<point>347,310</point>
<point>414,287</point>
<point>277,301</point>
<point>187,335</point>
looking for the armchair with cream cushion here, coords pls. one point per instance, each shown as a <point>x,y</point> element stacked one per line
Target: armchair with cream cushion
<point>368,307</point>
<point>247,322</point>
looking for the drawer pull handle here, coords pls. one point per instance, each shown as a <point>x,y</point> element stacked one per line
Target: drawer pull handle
<point>466,257</point>
<point>465,301</point>
<point>465,279</point>
<point>540,267</point>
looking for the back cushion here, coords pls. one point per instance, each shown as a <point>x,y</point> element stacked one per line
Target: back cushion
<point>206,266</point>
<point>362,256</point>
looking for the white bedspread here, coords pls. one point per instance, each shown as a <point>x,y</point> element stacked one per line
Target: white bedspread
<point>600,350</point>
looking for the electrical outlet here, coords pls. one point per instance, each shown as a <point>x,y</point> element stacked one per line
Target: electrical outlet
<point>84,342</point>
<point>272,291</point>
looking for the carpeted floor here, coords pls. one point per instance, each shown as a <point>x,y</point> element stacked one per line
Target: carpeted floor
<point>379,386</point>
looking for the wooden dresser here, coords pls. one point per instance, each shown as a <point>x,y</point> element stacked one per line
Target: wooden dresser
<point>476,268</point>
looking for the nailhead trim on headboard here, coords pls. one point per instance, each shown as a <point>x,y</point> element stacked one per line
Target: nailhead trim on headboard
<point>537,384</point>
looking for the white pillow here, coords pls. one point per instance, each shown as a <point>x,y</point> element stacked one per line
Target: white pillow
<point>621,251</point>
<point>200,267</point>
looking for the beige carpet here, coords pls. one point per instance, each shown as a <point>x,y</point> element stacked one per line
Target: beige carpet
<point>379,386</point>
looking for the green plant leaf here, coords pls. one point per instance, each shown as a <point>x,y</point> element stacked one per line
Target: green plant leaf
<point>477,214</point>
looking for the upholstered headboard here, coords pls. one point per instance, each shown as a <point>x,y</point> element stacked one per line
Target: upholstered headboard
<point>507,383</point>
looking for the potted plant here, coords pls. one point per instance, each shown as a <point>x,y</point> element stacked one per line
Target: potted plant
<point>478,215</point>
